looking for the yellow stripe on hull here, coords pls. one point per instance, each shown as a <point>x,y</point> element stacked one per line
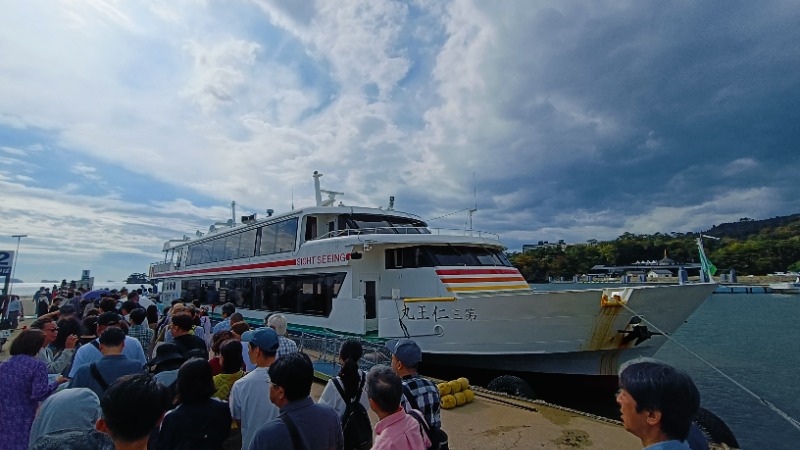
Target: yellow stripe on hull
<point>429,299</point>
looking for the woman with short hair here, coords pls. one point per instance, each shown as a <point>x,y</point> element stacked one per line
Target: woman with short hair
<point>24,384</point>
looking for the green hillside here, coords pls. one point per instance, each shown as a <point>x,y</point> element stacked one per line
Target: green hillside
<point>752,247</point>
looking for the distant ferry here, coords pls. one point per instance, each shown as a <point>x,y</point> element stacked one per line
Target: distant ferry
<point>381,274</point>
<point>137,278</point>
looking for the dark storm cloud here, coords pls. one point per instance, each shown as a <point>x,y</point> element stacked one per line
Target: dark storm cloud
<point>620,108</point>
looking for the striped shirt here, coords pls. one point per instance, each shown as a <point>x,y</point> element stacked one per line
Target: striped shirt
<point>426,397</point>
<point>285,346</point>
<point>141,333</point>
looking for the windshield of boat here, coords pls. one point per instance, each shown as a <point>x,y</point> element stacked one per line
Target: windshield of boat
<point>376,224</point>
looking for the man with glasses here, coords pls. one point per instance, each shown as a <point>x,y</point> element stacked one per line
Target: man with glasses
<point>55,364</point>
<point>302,423</point>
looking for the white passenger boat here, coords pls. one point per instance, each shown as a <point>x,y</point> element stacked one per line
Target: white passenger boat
<point>787,287</point>
<point>381,274</point>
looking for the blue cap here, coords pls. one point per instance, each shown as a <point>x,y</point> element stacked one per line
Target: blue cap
<point>264,338</point>
<point>406,351</point>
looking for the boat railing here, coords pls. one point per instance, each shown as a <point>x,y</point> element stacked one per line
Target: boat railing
<point>323,349</point>
<point>161,267</point>
<point>410,230</point>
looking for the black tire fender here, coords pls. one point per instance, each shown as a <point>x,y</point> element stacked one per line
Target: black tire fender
<point>714,429</point>
<point>512,385</point>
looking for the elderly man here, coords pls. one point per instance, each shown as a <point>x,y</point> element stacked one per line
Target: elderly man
<point>396,429</point>
<point>55,364</point>
<point>657,403</point>
<point>278,323</point>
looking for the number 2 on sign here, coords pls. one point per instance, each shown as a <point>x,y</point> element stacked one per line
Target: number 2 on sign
<point>5,259</point>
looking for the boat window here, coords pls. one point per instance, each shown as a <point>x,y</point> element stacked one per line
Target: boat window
<point>311,228</point>
<point>247,243</point>
<point>279,237</point>
<point>310,294</point>
<point>451,255</point>
<point>218,249</point>
<point>407,258</point>
<point>232,246</point>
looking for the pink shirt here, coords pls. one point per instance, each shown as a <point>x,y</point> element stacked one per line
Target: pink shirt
<point>399,431</point>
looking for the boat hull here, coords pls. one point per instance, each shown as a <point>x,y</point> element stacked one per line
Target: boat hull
<point>548,332</point>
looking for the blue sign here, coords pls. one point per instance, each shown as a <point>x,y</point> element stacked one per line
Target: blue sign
<point>6,261</point>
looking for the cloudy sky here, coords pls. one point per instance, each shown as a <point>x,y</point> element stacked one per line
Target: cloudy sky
<point>127,123</point>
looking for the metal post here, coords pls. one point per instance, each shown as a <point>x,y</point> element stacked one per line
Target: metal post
<point>16,261</point>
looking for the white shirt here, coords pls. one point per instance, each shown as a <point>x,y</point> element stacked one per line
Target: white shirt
<point>145,302</point>
<point>330,396</point>
<point>250,403</point>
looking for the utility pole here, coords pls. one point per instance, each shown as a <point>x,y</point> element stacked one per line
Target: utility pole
<point>16,261</point>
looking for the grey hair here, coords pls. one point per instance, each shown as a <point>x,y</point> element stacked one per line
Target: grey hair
<point>278,322</point>
<point>385,388</point>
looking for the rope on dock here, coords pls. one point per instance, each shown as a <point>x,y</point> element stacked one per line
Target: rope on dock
<point>764,401</point>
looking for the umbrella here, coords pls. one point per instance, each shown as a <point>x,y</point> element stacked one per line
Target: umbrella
<point>94,295</point>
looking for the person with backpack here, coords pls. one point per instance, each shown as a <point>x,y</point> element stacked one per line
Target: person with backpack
<point>113,365</point>
<point>345,393</point>
<point>396,430</point>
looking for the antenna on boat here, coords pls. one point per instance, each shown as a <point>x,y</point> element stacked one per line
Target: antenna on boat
<point>474,208</point>
<point>317,189</point>
<point>233,212</point>
<point>331,200</point>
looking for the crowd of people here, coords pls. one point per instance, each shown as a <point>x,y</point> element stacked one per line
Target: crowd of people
<point>118,371</point>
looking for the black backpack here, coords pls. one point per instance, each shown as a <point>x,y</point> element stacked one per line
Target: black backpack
<point>437,436</point>
<point>356,427</point>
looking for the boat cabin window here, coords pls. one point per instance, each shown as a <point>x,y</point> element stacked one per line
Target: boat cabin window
<point>273,238</point>
<point>310,294</point>
<point>311,228</point>
<point>278,237</point>
<point>450,255</point>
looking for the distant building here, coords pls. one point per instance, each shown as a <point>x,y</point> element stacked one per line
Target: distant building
<point>544,244</point>
<point>666,260</point>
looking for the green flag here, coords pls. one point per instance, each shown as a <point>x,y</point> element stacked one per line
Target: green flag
<point>706,265</point>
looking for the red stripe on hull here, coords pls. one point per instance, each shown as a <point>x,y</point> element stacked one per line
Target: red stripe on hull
<point>284,263</point>
<point>476,271</point>
<point>481,280</point>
